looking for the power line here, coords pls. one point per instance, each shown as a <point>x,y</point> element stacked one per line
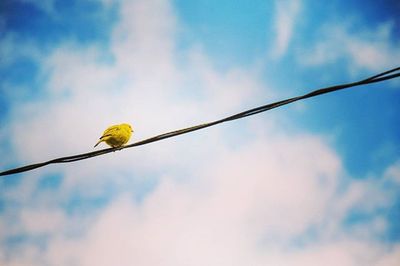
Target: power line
<point>390,74</point>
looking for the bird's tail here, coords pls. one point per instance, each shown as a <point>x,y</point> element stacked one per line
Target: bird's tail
<point>98,143</point>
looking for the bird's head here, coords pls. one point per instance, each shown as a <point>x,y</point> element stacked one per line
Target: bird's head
<point>128,126</point>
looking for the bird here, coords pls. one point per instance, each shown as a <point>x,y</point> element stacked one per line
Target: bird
<point>116,136</point>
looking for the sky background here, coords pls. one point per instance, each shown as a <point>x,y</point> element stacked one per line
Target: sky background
<point>312,183</point>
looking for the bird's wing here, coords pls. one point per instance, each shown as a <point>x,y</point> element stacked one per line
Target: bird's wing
<point>110,131</point>
<point>105,136</point>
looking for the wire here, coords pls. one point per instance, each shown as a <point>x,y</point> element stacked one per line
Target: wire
<point>390,74</point>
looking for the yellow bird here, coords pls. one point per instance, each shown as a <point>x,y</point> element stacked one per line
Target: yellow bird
<point>116,136</point>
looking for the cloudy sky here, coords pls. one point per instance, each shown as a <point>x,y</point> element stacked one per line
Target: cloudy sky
<point>313,183</point>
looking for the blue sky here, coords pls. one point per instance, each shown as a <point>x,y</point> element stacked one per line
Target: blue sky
<point>304,184</point>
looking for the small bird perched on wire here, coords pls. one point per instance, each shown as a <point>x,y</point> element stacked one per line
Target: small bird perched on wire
<point>116,136</point>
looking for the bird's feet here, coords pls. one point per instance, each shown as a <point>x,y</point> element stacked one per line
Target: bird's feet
<point>118,148</point>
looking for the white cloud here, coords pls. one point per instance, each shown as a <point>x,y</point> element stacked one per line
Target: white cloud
<point>370,49</point>
<point>8,53</point>
<point>392,258</point>
<point>287,12</point>
<point>393,173</point>
<point>38,221</point>
<point>244,206</point>
<point>230,215</point>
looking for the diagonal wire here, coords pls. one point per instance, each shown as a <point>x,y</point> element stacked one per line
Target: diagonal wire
<point>389,74</point>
